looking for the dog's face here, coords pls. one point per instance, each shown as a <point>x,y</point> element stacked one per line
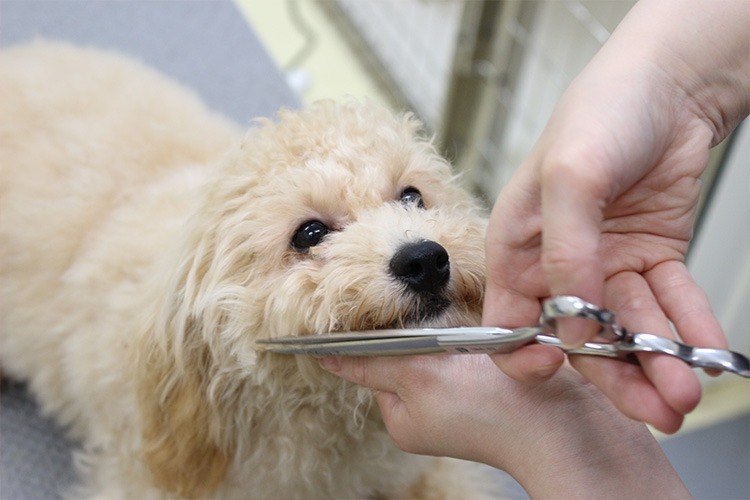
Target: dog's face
<point>338,218</point>
<point>343,218</point>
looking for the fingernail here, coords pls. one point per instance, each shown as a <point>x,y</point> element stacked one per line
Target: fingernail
<point>570,342</point>
<point>543,372</point>
<point>712,372</point>
<point>571,346</point>
<point>574,332</point>
<point>330,363</point>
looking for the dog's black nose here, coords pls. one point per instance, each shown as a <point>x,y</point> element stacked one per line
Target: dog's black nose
<point>424,267</point>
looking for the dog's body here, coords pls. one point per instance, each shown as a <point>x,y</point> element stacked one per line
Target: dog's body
<point>145,245</point>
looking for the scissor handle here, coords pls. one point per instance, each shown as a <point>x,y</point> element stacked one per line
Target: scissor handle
<point>606,349</point>
<point>568,306</point>
<point>626,345</point>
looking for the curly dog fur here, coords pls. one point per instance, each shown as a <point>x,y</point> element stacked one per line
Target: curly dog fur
<point>145,245</point>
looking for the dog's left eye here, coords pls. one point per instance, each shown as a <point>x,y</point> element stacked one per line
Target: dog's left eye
<point>412,196</point>
<point>309,234</point>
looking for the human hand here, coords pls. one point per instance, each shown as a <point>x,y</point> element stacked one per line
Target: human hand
<point>561,439</point>
<point>603,208</point>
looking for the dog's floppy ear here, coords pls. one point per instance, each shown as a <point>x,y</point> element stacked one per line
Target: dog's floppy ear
<point>183,456</point>
<point>185,416</point>
<point>180,426</point>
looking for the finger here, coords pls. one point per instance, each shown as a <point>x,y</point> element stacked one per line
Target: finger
<point>687,306</point>
<point>630,296</point>
<point>369,372</point>
<point>514,278</point>
<point>397,421</point>
<point>572,201</point>
<point>375,374</point>
<point>507,308</point>
<point>531,364</point>
<point>630,390</point>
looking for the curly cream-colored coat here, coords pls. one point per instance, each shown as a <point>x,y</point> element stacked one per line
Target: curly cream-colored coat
<point>145,246</point>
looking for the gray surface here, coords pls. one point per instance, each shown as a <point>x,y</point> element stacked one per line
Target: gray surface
<point>714,463</point>
<point>35,457</point>
<point>204,44</point>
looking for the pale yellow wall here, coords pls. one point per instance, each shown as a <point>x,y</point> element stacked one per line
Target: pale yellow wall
<point>332,70</point>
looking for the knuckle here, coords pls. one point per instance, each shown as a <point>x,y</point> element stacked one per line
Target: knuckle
<point>359,371</point>
<point>565,256</point>
<point>576,167</point>
<point>638,304</point>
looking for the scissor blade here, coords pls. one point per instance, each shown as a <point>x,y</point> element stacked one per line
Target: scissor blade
<point>367,347</point>
<point>406,342</point>
<point>366,335</point>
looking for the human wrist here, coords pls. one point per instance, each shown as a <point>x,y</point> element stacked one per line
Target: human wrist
<point>700,48</point>
<point>587,449</point>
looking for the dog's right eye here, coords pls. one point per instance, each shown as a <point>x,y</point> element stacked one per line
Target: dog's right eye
<point>309,234</point>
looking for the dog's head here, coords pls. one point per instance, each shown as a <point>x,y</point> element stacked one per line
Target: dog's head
<point>337,218</point>
<point>340,218</point>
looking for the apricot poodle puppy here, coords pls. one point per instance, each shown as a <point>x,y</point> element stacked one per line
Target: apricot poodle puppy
<point>146,244</point>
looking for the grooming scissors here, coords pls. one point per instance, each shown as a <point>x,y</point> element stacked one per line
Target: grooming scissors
<point>617,342</point>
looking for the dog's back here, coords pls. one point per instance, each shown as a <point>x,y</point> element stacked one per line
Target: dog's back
<point>80,130</point>
<point>83,132</point>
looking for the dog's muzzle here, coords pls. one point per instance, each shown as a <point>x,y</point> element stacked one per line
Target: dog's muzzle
<point>424,267</point>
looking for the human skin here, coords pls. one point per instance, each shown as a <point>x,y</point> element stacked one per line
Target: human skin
<point>561,439</point>
<point>603,207</point>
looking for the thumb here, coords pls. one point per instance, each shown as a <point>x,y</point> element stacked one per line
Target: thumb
<point>369,372</point>
<point>571,230</point>
<point>532,364</point>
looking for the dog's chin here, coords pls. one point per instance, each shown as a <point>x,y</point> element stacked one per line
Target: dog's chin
<point>437,311</point>
<point>427,311</point>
